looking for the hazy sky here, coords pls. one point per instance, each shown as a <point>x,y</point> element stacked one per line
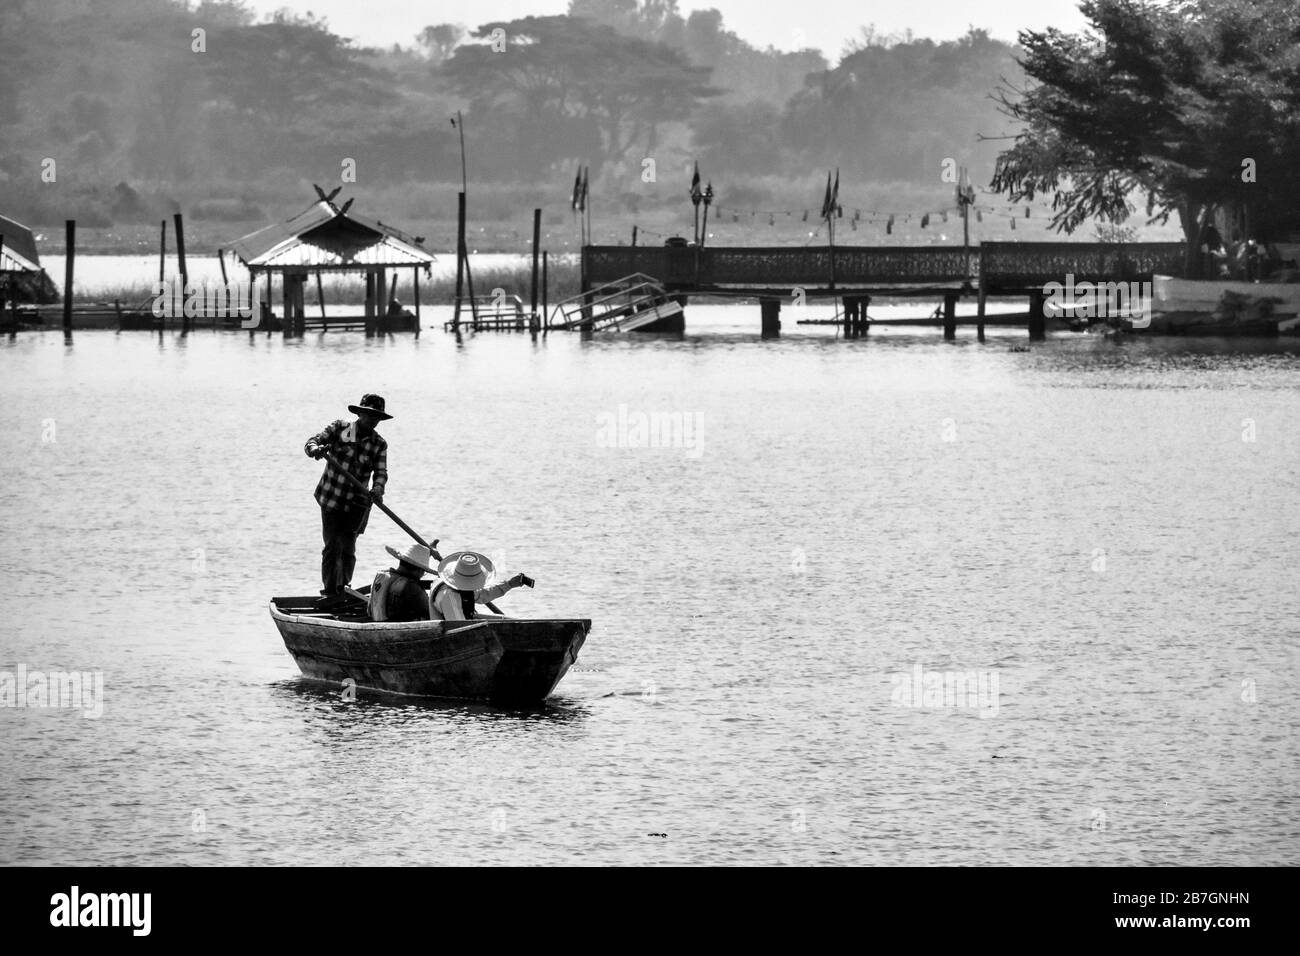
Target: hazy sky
<point>825,24</point>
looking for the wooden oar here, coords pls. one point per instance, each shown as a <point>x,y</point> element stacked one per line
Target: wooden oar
<point>389,511</point>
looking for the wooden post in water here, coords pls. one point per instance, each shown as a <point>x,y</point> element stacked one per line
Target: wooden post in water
<point>546,317</point>
<point>979,308</point>
<point>185,276</point>
<point>771,321</point>
<point>460,260</point>
<point>863,324</point>
<point>162,253</point>
<point>950,317</point>
<point>70,252</point>
<point>537,245</point>
<point>1037,320</point>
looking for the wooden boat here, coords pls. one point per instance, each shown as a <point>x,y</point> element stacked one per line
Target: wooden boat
<point>501,659</point>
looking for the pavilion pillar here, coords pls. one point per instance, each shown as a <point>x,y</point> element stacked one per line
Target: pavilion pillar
<point>370,303</point>
<point>286,306</point>
<point>415,293</point>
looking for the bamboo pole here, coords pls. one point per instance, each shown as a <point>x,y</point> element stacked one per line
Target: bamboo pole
<point>70,252</point>
<point>537,241</point>
<point>185,276</point>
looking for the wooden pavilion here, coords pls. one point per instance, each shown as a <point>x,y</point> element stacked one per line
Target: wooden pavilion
<point>329,238</point>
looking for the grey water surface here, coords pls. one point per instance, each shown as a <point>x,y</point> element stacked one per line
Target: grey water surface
<point>1105,535</point>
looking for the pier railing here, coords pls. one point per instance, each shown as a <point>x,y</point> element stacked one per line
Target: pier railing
<point>999,264</point>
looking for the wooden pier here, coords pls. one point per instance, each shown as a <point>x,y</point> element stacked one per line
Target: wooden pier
<point>855,274</point>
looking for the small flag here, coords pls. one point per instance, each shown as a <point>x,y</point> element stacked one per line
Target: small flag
<point>696,195</point>
<point>925,220</point>
<point>586,181</point>
<point>577,185</point>
<point>826,202</point>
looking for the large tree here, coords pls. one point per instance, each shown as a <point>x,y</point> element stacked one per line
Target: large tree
<point>1181,104</point>
<point>570,87</point>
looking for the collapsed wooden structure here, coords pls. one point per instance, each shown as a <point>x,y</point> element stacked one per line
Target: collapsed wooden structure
<point>21,275</point>
<point>327,238</point>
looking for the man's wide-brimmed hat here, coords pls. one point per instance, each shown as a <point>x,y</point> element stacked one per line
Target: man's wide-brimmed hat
<point>370,405</point>
<point>466,570</point>
<point>416,554</point>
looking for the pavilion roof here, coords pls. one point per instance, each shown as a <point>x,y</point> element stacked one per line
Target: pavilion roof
<point>325,236</point>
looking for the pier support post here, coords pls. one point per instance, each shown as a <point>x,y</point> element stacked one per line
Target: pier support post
<point>1037,320</point>
<point>979,313</point>
<point>949,317</point>
<point>771,311</point>
<point>864,324</point>
<point>850,308</point>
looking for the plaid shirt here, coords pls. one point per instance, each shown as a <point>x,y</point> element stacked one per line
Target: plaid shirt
<point>360,456</point>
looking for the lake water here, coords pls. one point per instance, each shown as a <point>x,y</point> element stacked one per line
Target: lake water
<point>1103,536</point>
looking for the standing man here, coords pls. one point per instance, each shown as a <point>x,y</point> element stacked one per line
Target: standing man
<point>345,508</point>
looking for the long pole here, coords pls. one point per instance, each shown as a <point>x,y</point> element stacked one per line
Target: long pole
<point>537,242</point>
<point>70,252</point>
<point>185,276</point>
<point>389,511</point>
<point>162,253</point>
<point>460,259</point>
<point>464,177</point>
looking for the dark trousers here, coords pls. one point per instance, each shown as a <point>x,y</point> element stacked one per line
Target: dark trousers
<point>339,529</point>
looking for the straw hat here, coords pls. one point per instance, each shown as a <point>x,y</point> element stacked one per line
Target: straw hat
<point>370,405</point>
<point>416,554</point>
<point>466,570</point>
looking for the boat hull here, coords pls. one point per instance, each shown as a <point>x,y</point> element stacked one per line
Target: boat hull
<point>503,660</point>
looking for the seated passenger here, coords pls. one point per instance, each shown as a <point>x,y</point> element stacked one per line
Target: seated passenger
<point>397,594</point>
<point>464,583</point>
